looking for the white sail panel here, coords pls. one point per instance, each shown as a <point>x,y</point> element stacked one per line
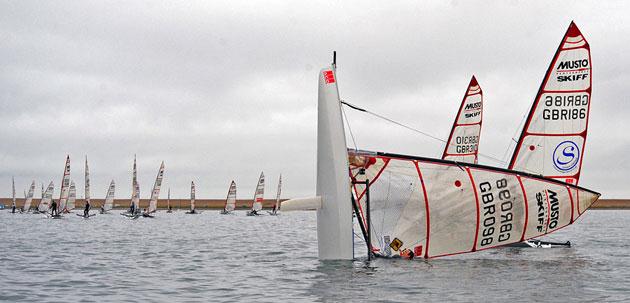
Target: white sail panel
<point>192,196</point>
<point>65,186</point>
<point>278,192</point>
<point>72,196</point>
<point>87,181</point>
<point>13,185</point>
<point>155,194</point>
<point>259,194</point>
<point>44,204</point>
<point>463,142</point>
<point>29,197</point>
<point>109,198</point>
<point>553,139</point>
<point>230,201</point>
<point>436,208</point>
<point>135,187</point>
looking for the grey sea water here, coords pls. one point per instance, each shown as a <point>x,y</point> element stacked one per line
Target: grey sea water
<point>213,258</point>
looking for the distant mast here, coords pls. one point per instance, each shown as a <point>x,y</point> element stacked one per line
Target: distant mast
<point>13,184</point>
<point>192,196</point>
<point>554,136</point>
<point>276,207</point>
<point>463,141</point>
<point>135,188</point>
<point>65,187</point>
<point>168,199</point>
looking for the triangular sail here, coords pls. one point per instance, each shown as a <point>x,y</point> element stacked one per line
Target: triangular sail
<point>13,185</point>
<point>135,187</point>
<point>192,196</point>
<point>553,139</point>
<point>276,206</point>
<point>259,194</point>
<point>230,201</point>
<point>87,181</point>
<point>44,204</point>
<point>109,198</point>
<point>72,196</point>
<point>155,194</point>
<point>463,141</point>
<point>29,197</point>
<point>65,186</point>
<point>436,208</point>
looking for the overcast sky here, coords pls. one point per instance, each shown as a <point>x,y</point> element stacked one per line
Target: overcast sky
<point>222,90</point>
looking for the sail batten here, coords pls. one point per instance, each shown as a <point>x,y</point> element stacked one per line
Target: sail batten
<point>553,139</point>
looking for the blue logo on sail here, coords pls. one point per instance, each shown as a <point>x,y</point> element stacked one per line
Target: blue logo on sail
<point>566,156</point>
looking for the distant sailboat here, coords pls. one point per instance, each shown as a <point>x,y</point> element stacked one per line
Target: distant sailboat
<point>29,198</point>
<point>258,197</point>
<point>192,200</point>
<point>87,183</point>
<point>168,202</point>
<point>65,188</point>
<point>230,201</point>
<point>13,204</point>
<point>44,203</point>
<point>109,198</point>
<point>134,204</point>
<point>276,206</point>
<point>155,193</point>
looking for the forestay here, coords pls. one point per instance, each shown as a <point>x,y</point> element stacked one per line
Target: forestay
<point>463,141</point>
<point>230,201</point>
<point>259,194</point>
<point>109,198</point>
<point>553,138</point>
<point>437,208</point>
<point>155,194</point>
<point>44,204</point>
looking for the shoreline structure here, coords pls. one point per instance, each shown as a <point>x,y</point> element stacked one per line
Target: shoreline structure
<point>247,203</point>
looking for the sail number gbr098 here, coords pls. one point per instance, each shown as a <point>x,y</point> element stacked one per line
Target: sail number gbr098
<point>497,214</point>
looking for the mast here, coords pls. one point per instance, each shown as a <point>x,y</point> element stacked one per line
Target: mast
<point>168,199</point>
<point>87,182</point>
<point>277,205</point>
<point>13,184</point>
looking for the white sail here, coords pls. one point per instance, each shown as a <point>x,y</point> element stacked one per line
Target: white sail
<point>65,186</point>
<point>463,141</point>
<point>192,196</point>
<point>72,196</point>
<point>13,184</point>
<point>276,207</point>
<point>259,194</point>
<point>87,181</point>
<point>168,199</point>
<point>155,194</point>
<point>436,208</point>
<point>44,204</point>
<point>553,139</point>
<point>109,198</point>
<point>230,201</point>
<point>29,197</point>
<point>135,187</point>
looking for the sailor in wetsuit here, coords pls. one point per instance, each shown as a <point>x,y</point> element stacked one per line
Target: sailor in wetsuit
<point>102,209</point>
<point>53,208</point>
<point>131,208</point>
<point>86,211</point>
<point>13,208</point>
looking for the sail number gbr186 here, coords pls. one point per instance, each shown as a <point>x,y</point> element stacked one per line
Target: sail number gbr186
<point>497,214</point>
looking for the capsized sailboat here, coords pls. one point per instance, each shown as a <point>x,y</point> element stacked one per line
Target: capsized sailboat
<point>230,201</point>
<point>258,196</point>
<point>109,198</point>
<point>276,206</point>
<point>463,141</point>
<point>425,207</point>
<point>155,193</point>
<point>192,210</point>
<point>29,198</point>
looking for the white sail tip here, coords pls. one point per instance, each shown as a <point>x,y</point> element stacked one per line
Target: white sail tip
<point>312,203</point>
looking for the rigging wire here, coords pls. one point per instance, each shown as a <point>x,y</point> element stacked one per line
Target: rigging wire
<point>354,142</point>
<point>407,127</point>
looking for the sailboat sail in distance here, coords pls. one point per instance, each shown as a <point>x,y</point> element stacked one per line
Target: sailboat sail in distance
<point>109,198</point>
<point>258,196</point>
<point>230,200</point>
<point>463,142</point>
<point>553,139</point>
<point>276,206</point>
<point>155,193</point>
<point>192,200</point>
<point>65,187</point>
<point>29,197</point>
<point>44,204</point>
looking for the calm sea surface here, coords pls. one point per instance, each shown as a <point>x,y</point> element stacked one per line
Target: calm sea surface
<point>212,257</point>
